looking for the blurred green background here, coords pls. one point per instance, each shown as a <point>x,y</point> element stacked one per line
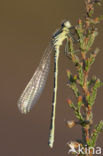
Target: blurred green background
<point>25,31</point>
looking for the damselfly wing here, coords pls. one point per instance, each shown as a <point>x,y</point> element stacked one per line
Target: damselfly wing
<point>35,86</point>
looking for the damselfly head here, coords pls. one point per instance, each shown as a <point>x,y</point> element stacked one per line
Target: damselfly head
<point>66,24</point>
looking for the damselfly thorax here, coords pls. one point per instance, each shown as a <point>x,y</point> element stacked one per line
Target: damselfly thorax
<point>61,34</point>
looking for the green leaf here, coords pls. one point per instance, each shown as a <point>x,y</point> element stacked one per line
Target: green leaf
<point>95,134</point>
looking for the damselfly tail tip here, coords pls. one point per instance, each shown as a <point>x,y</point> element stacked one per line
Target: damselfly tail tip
<point>50,144</point>
<point>51,140</point>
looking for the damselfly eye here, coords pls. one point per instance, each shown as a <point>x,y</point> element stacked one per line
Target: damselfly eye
<point>66,24</point>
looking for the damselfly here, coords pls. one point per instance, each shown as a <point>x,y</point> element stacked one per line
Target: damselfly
<point>35,86</point>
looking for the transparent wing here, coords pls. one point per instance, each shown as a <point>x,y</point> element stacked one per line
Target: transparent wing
<point>35,86</point>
